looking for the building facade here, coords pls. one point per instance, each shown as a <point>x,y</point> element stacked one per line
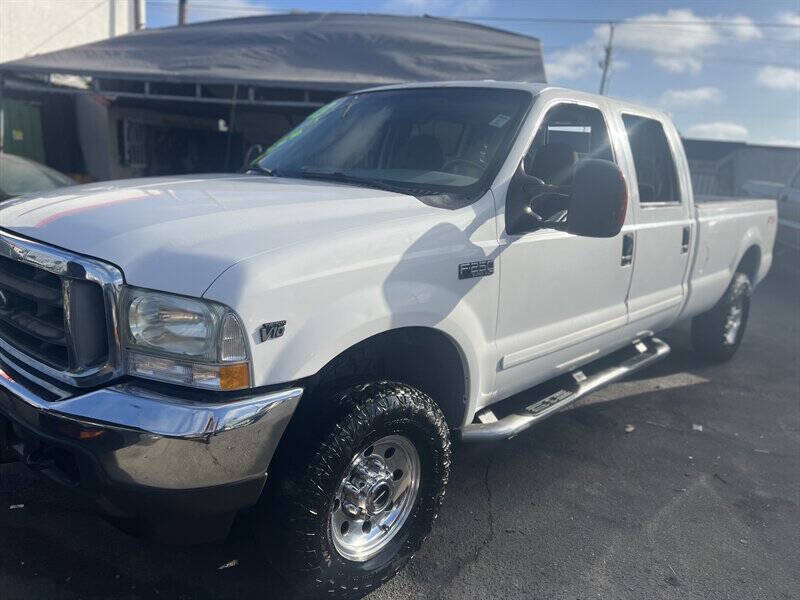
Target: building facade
<point>29,27</point>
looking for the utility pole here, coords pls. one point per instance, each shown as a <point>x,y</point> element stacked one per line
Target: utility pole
<point>606,62</point>
<point>183,11</point>
<point>139,21</point>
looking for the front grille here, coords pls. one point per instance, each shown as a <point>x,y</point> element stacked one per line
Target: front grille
<point>57,311</point>
<point>32,312</point>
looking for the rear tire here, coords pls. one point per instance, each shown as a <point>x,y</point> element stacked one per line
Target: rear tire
<point>353,505</point>
<point>716,334</point>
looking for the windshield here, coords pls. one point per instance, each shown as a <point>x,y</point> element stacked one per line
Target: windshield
<point>421,141</point>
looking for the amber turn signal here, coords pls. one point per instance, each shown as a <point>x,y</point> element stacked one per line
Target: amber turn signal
<point>234,377</point>
<point>80,432</point>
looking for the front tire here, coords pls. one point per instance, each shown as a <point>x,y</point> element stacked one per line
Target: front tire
<point>361,501</point>
<point>716,334</point>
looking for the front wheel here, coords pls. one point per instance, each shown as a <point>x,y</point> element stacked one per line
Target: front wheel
<point>352,514</point>
<point>716,334</point>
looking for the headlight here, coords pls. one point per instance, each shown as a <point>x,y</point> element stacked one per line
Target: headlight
<point>184,340</point>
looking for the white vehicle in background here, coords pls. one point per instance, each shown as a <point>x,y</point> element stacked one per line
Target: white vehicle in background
<point>788,197</point>
<point>789,212</point>
<point>308,338</point>
<point>20,176</point>
<point>758,188</point>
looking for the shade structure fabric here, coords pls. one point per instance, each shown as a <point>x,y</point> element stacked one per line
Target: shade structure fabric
<point>333,51</point>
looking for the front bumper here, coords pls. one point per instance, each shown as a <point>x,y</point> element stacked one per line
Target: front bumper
<point>138,453</point>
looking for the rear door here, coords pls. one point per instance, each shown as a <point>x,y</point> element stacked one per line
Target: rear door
<point>664,228</point>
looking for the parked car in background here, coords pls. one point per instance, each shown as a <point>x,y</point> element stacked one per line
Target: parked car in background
<point>788,196</point>
<point>757,188</point>
<point>307,338</point>
<point>20,176</point>
<point>789,212</point>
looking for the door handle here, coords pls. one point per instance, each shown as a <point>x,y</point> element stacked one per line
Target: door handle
<point>685,241</point>
<point>627,249</point>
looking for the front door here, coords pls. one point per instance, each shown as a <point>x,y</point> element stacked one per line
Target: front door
<point>562,297</point>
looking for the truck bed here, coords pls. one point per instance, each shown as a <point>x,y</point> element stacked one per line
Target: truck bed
<point>722,224</point>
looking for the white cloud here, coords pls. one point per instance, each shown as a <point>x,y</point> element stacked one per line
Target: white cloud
<point>742,28</point>
<point>654,33</point>
<point>575,62</point>
<point>678,39</point>
<point>792,33</point>
<point>679,64</point>
<point>569,64</point>
<point>692,97</point>
<point>718,130</point>
<point>779,78</point>
<point>780,141</point>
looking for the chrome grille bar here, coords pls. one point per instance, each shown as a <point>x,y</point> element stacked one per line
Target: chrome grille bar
<point>73,303</point>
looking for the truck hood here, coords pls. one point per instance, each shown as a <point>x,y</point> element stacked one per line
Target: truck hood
<point>179,234</point>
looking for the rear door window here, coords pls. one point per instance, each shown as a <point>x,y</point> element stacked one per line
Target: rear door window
<point>653,161</point>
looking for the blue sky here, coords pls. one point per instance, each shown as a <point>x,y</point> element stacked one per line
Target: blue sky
<point>715,66</point>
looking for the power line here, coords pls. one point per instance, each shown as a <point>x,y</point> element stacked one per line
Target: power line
<point>554,20</point>
<point>684,27</point>
<point>631,22</point>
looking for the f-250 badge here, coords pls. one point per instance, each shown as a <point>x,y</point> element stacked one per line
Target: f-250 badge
<point>270,331</point>
<point>480,268</point>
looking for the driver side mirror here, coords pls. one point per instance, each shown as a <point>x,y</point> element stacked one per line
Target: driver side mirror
<point>595,202</point>
<point>598,201</point>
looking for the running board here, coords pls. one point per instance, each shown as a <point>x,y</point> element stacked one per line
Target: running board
<point>647,351</point>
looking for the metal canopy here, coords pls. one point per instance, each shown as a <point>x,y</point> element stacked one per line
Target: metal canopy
<point>285,59</point>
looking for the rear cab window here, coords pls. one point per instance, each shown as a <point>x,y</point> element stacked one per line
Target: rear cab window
<point>656,175</point>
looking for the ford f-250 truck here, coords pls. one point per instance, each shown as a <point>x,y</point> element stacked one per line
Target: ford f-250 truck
<point>307,338</point>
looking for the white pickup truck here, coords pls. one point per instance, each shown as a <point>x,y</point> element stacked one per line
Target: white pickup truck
<point>308,337</point>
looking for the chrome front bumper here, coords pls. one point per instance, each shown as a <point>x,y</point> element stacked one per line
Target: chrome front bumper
<point>126,441</point>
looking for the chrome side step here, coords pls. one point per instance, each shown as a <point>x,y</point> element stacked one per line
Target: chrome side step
<point>490,427</point>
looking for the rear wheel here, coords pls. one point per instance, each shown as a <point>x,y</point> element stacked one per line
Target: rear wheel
<point>716,334</point>
<point>361,501</point>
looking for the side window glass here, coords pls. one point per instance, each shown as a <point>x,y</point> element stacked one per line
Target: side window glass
<point>569,133</point>
<point>653,161</point>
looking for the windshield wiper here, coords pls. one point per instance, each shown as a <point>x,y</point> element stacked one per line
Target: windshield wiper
<point>343,177</point>
<point>257,169</point>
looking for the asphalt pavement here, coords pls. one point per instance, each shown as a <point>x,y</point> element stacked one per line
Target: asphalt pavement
<point>681,483</point>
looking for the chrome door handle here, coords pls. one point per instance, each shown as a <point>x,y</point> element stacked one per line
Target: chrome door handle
<point>627,249</point>
<point>685,241</point>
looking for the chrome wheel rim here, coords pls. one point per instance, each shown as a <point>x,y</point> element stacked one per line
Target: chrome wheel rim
<point>375,497</point>
<point>733,323</point>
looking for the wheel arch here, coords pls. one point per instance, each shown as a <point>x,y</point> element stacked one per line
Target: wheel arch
<point>424,357</point>
<point>750,263</point>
